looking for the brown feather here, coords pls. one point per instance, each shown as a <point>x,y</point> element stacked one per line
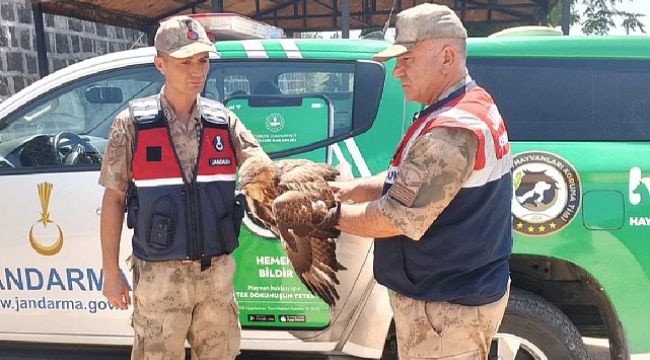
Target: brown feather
<point>292,198</point>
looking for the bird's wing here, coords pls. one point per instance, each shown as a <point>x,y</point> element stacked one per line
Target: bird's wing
<point>264,214</point>
<point>287,165</point>
<point>306,260</point>
<point>314,261</point>
<point>311,179</point>
<point>258,180</point>
<point>320,278</point>
<point>295,210</point>
<point>308,173</point>
<point>311,250</point>
<point>261,211</point>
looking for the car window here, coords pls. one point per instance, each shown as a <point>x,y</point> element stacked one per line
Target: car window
<point>236,85</point>
<point>69,126</point>
<point>332,80</point>
<point>315,81</point>
<point>569,99</point>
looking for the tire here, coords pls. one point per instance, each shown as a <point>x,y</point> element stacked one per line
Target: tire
<point>533,328</point>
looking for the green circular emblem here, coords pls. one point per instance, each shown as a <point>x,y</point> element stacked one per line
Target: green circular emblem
<point>274,122</point>
<point>547,193</point>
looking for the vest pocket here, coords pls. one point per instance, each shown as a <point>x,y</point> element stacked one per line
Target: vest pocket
<point>162,231</point>
<point>238,210</point>
<point>162,224</point>
<point>230,224</point>
<point>225,220</point>
<point>228,234</point>
<point>131,207</point>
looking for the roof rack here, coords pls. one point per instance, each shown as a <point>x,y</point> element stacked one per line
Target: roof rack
<point>228,26</point>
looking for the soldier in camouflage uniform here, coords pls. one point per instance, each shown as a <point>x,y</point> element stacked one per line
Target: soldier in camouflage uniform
<point>440,215</point>
<point>177,296</point>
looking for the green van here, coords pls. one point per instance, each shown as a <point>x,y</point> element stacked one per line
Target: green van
<point>577,112</point>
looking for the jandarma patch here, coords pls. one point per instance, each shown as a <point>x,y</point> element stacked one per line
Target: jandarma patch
<point>547,193</point>
<point>220,162</point>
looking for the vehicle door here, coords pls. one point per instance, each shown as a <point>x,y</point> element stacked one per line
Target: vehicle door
<point>579,132</point>
<point>50,258</point>
<point>298,109</point>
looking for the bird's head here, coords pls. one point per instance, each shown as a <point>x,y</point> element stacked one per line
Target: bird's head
<point>258,172</point>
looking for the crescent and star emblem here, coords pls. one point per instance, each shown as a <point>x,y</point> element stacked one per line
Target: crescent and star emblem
<point>44,194</point>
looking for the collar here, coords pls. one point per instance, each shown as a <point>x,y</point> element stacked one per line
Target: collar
<point>171,115</point>
<point>457,89</point>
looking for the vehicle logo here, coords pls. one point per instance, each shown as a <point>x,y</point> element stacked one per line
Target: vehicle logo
<point>636,180</point>
<point>274,122</point>
<point>45,240</point>
<point>547,193</point>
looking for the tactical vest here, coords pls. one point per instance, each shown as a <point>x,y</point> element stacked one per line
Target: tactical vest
<point>174,219</point>
<point>463,257</point>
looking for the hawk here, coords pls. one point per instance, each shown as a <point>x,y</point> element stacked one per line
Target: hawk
<point>293,200</point>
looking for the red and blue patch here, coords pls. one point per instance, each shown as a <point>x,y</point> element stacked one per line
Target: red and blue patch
<point>192,35</point>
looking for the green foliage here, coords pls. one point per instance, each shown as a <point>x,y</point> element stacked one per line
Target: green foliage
<point>599,17</point>
<point>555,15</point>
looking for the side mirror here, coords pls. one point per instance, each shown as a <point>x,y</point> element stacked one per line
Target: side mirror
<point>104,95</point>
<point>368,87</point>
<point>369,79</point>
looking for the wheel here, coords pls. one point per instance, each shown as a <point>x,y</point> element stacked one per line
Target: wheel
<point>535,329</point>
<point>532,329</point>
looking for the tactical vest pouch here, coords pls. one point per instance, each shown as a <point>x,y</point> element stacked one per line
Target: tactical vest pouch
<point>162,224</point>
<point>229,226</point>
<point>131,207</point>
<point>162,231</point>
<point>228,235</point>
<point>238,210</point>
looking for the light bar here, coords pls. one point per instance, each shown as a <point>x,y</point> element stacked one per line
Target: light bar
<point>227,26</point>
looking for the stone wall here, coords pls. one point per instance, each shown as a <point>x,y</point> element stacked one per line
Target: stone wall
<point>68,40</point>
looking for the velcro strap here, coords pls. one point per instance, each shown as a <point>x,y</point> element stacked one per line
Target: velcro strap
<point>145,110</point>
<point>213,111</point>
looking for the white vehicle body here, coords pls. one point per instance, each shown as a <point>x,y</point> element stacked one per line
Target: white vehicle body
<point>57,298</point>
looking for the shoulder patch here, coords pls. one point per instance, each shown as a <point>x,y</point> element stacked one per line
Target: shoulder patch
<point>145,110</point>
<point>213,111</point>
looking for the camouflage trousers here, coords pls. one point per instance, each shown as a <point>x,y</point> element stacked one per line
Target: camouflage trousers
<point>440,330</point>
<point>175,300</point>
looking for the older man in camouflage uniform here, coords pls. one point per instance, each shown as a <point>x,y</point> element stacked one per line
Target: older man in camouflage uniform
<point>440,216</point>
<point>182,272</point>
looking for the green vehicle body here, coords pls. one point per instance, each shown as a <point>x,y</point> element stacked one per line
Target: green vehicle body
<point>596,268</point>
<point>576,109</point>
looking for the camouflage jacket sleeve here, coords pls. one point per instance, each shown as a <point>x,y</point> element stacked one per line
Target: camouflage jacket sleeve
<point>116,163</point>
<point>431,174</point>
<point>244,142</point>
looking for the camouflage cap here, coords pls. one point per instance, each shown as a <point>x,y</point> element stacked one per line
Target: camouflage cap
<point>181,37</point>
<point>422,22</point>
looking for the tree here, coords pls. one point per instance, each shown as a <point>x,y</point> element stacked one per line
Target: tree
<point>599,16</point>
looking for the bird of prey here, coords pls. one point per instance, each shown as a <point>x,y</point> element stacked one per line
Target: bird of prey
<point>293,200</point>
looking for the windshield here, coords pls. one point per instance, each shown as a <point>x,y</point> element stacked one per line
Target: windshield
<point>86,107</point>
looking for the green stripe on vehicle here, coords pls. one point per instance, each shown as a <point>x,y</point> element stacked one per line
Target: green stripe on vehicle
<point>274,49</point>
<point>230,49</point>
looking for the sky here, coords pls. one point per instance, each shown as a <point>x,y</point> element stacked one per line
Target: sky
<point>634,6</point>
